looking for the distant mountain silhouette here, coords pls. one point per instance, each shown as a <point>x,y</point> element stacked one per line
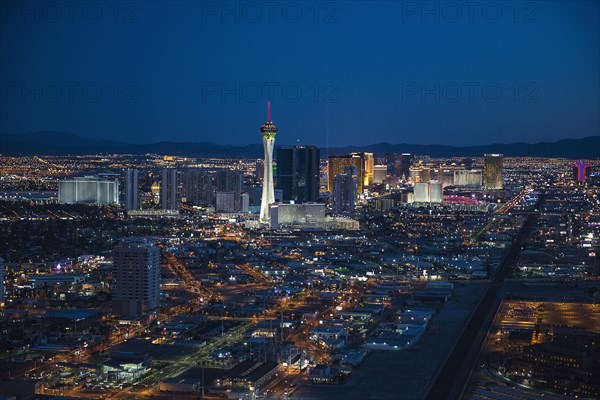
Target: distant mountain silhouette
<point>62,143</point>
<point>585,148</point>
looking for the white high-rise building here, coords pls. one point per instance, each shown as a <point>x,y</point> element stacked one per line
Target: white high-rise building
<point>268,130</point>
<point>428,192</point>
<point>136,278</point>
<point>467,177</point>
<point>421,192</point>
<point>132,198</point>
<point>88,190</point>
<point>379,173</point>
<point>436,192</point>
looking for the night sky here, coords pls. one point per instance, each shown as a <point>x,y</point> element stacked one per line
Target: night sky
<point>337,73</point>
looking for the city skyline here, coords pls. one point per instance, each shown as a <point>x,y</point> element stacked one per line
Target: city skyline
<point>62,143</point>
<point>419,219</point>
<point>319,300</point>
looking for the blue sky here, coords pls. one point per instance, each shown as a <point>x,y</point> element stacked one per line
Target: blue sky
<point>337,73</point>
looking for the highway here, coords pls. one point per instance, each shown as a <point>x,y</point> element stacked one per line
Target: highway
<point>505,209</point>
<point>453,376</point>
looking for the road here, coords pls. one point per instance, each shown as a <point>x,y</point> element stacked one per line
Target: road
<point>148,385</point>
<point>452,378</point>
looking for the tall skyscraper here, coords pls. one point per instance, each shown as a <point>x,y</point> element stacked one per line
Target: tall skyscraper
<point>344,191</point>
<point>492,171</point>
<point>436,192</point>
<point>230,181</point>
<point>368,161</point>
<point>337,165</point>
<point>428,192</point>
<point>136,278</point>
<point>445,174</point>
<point>406,163</point>
<point>379,173</point>
<point>581,171</point>
<point>421,192</point>
<point>298,173</point>
<point>132,198</point>
<point>198,187</point>
<point>399,164</point>
<point>229,186</point>
<point>169,191</point>
<point>268,131</point>
<point>394,164</point>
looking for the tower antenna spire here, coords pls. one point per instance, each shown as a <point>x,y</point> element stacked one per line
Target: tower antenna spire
<point>269,110</point>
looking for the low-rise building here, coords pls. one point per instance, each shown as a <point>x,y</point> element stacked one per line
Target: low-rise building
<point>180,385</point>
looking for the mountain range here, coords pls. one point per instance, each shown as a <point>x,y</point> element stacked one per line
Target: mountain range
<point>62,143</point>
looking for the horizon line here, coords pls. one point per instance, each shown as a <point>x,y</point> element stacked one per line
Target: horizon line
<point>296,144</point>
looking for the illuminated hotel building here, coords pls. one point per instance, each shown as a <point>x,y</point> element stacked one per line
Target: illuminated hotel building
<point>420,173</point>
<point>407,160</point>
<point>428,192</point>
<point>269,131</point>
<point>399,164</point>
<point>467,177</point>
<point>379,173</point>
<point>394,164</point>
<point>88,190</point>
<point>344,191</point>
<point>368,167</point>
<point>492,171</point>
<point>337,165</point>
<point>581,171</point>
<point>298,173</point>
<point>136,272</point>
